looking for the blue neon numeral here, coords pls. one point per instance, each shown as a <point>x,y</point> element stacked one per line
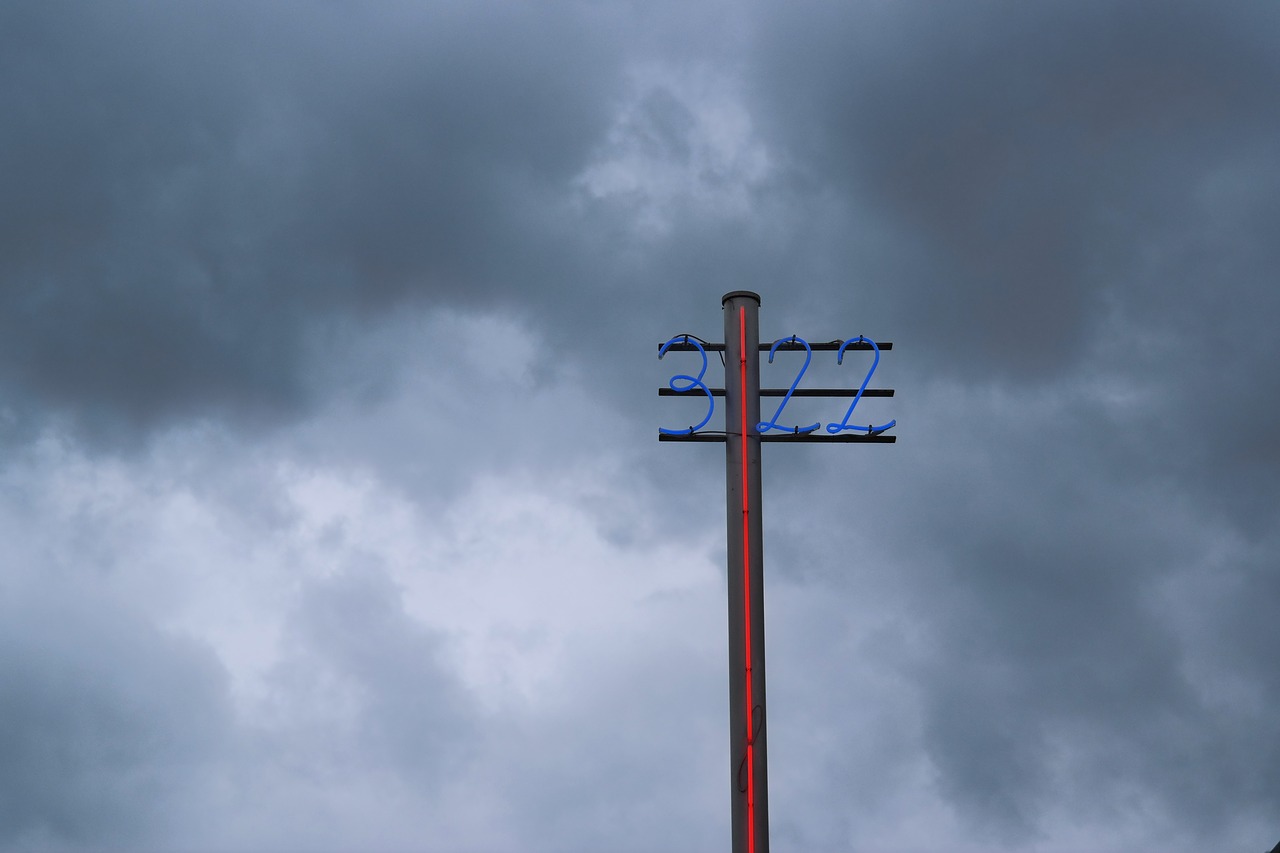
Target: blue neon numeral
<point>772,423</point>
<point>689,383</point>
<point>835,429</point>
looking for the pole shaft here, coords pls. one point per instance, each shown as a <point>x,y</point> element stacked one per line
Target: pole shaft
<point>749,766</point>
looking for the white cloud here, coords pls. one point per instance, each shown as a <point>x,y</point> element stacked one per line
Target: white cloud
<point>684,139</point>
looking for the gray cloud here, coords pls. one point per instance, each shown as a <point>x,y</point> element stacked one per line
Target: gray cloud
<point>353,637</point>
<point>109,724</point>
<point>334,316</point>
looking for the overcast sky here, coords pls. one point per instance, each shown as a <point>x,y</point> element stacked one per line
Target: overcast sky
<point>333,511</point>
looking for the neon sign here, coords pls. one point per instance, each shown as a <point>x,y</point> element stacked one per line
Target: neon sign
<point>682,383</point>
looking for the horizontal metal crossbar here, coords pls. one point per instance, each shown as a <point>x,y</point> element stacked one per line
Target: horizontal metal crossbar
<point>827,346</point>
<point>803,438</point>
<point>782,392</point>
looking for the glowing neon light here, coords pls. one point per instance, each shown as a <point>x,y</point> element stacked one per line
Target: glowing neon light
<point>691,382</point>
<point>844,424</point>
<point>772,423</point>
<point>746,588</point>
<point>682,383</point>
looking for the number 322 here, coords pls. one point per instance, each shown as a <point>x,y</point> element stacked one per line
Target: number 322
<point>683,382</point>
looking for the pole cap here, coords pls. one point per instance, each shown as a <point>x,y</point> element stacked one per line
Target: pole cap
<point>735,294</point>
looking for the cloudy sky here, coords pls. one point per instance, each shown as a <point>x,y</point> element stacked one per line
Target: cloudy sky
<point>333,510</point>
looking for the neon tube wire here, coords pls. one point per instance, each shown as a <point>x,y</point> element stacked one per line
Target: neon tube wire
<point>746,580</point>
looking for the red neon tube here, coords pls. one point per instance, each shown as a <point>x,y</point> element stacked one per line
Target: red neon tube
<point>746,578</point>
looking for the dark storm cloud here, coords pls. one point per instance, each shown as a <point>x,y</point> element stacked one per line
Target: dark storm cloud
<point>1017,166</point>
<point>189,192</point>
<point>1083,637</point>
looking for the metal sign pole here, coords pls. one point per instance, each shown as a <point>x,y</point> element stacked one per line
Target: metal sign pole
<point>747,744</point>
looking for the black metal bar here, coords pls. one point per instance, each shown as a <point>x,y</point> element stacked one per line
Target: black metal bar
<point>814,438</point>
<point>825,346</point>
<point>782,392</point>
<point>804,438</point>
